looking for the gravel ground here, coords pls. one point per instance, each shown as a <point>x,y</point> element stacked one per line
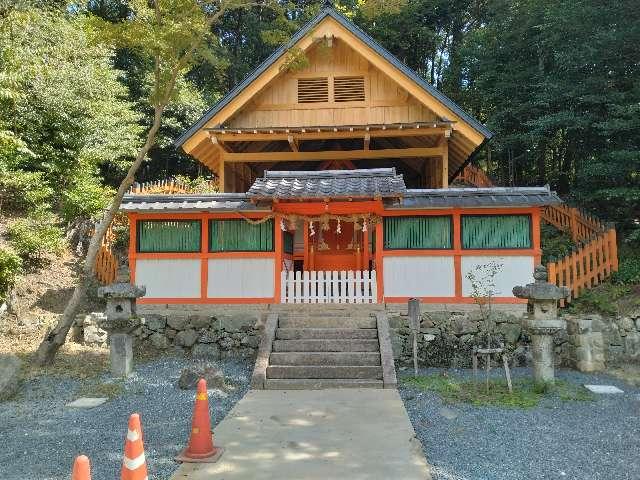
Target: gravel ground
<point>592,440</point>
<point>40,436</point>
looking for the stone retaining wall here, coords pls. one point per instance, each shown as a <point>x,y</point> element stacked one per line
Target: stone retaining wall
<point>447,335</point>
<point>210,334</point>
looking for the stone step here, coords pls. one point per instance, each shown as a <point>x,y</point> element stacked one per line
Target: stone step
<point>325,333</point>
<point>325,346</point>
<point>328,322</point>
<point>320,384</point>
<point>324,358</point>
<point>315,371</point>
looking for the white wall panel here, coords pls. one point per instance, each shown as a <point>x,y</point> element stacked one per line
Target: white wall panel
<point>418,277</point>
<point>169,278</point>
<point>516,270</point>
<point>241,278</point>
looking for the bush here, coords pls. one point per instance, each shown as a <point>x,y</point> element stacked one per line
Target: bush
<point>10,268</point>
<point>24,191</point>
<point>555,244</point>
<point>36,238</point>
<point>85,199</point>
<point>628,271</point>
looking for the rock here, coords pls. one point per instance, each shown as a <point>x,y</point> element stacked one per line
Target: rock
<point>237,323</point>
<point>186,338</point>
<point>188,379</point>
<point>10,366</point>
<point>190,376</point>
<point>158,341</point>
<point>170,333</point>
<point>178,322</point>
<point>157,323</point>
<point>462,325</point>
<point>251,341</point>
<point>398,322</point>
<point>200,321</point>
<point>93,334</point>
<point>632,344</point>
<point>511,332</point>
<point>612,336</point>
<point>625,323</point>
<point>226,343</point>
<point>204,350</point>
<point>208,336</point>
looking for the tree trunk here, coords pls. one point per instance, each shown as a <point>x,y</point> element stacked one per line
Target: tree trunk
<point>56,337</point>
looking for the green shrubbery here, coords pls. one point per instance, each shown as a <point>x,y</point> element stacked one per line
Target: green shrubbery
<point>10,267</point>
<point>555,244</point>
<point>35,238</point>
<point>22,191</point>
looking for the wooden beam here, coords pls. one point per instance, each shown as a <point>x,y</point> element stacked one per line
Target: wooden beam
<point>293,143</point>
<point>234,136</point>
<point>333,155</point>
<point>219,144</point>
<point>367,141</point>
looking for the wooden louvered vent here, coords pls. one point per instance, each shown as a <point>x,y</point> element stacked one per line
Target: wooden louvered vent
<point>313,90</point>
<point>348,89</point>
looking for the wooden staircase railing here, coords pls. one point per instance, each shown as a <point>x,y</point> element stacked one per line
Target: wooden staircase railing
<point>587,266</point>
<point>473,175</point>
<point>592,262</point>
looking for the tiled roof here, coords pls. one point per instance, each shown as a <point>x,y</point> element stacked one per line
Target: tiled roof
<point>342,181</point>
<point>477,197</point>
<point>235,202</point>
<point>370,183</point>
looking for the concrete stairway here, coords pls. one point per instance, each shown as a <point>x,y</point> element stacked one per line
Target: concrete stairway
<point>325,348</point>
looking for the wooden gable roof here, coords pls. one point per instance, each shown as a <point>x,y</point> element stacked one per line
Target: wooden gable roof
<point>469,132</point>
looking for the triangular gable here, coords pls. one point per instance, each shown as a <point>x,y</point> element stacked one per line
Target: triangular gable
<point>379,58</point>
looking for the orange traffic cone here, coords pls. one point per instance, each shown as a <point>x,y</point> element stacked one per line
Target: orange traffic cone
<point>134,465</point>
<point>200,448</point>
<point>81,468</point>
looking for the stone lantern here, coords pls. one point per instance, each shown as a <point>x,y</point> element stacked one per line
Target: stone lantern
<point>121,320</point>
<point>542,322</point>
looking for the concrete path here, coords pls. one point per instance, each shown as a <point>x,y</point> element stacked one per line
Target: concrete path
<point>354,434</point>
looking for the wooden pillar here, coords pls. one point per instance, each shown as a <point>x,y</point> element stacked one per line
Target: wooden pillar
<point>379,266</point>
<point>457,256</point>
<point>204,261</point>
<point>365,250</point>
<point>221,175</point>
<point>278,259</point>
<point>305,236</point>
<point>132,246</point>
<point>444,169</point>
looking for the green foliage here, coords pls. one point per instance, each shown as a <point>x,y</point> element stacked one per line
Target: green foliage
<point>10,268</point>
<point>23,191</point>
<point>555,244</point>
<point>35,239</point>
<point>526,393</point>
<point>628,272</point>
<point>601,299</point>
<point>85,198</point>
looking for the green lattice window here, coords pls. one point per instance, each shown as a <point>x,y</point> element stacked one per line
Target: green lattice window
<point>417,232</point>
<point>496,231</point>
<point>168,236</point>
<point>240,236</point>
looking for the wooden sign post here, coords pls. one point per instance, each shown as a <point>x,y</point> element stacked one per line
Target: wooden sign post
<point>413,311</point>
